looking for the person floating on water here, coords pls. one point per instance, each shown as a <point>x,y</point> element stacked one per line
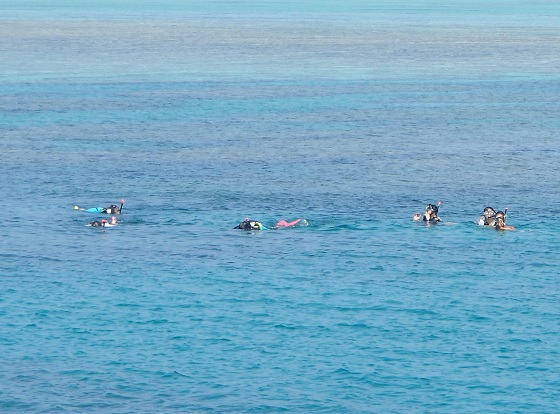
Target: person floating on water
<point>430,216</point>
<point>98,223</point>
<point>249,225</point>
<point>500,223</point>
<point>104,222</point>
<point>488,217</point>
<point>112,209</point>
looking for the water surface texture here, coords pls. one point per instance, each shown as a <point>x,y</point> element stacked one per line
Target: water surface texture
<point>350,114</point>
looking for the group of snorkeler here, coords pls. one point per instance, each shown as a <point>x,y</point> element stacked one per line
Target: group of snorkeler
<point>494,219</point>
<point>112,209</point>
<point>247,224</point>
<point>490,217</point>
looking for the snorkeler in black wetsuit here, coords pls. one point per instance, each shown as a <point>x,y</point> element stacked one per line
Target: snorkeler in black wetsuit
<point>488,217</point>
<point>248,225</point>
<point>430,216</point>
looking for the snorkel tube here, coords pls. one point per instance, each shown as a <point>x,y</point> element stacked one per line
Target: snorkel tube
<point>437,212</point>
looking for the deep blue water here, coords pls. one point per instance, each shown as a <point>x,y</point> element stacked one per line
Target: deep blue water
<point>351,115</point>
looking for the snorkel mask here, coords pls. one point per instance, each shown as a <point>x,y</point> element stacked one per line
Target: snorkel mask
<point>433,208</point>
<point>489,212</point>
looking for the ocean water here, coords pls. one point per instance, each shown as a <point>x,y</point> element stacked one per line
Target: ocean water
<point>350,114</point>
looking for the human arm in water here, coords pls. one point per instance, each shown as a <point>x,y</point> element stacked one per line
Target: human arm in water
<point>503,227</point>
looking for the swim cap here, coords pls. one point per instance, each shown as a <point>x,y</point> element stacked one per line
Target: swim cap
<point>76,208</point>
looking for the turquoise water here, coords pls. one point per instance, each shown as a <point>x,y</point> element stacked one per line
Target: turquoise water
<point>352,115</point>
